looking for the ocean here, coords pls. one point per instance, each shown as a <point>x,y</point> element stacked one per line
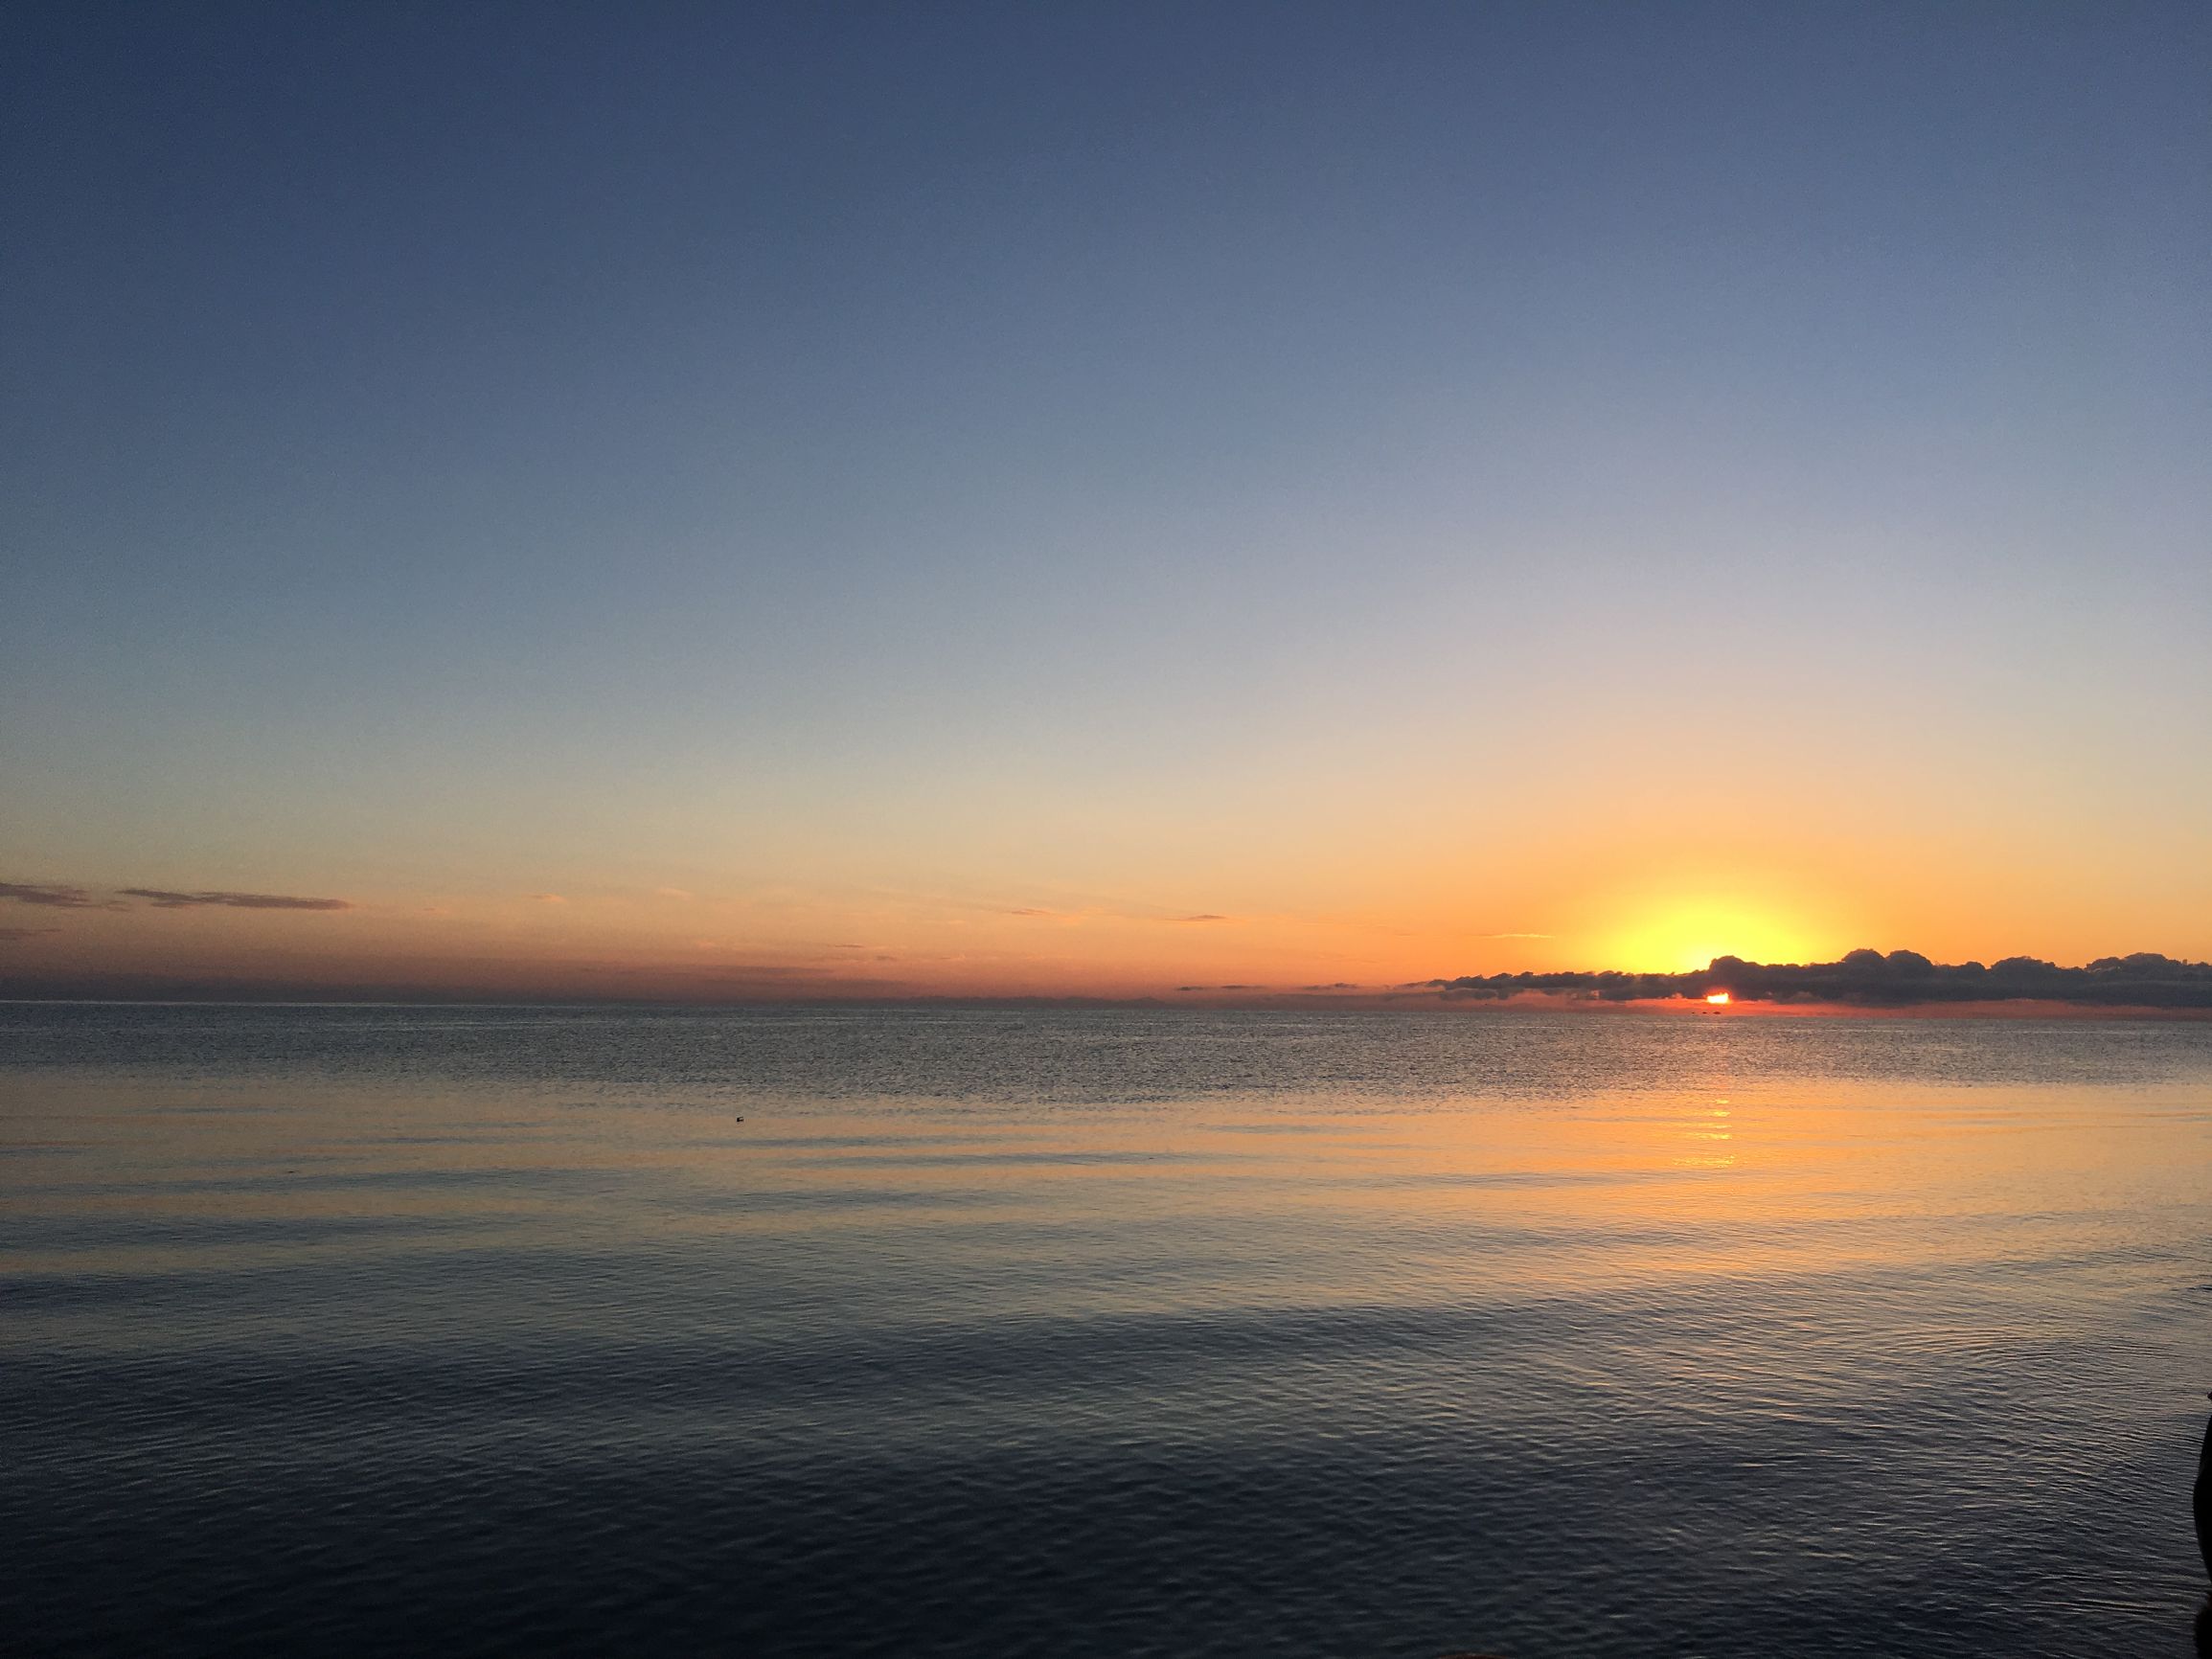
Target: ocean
<point>1101,1332</point>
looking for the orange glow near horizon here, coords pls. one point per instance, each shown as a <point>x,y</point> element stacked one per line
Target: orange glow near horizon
<point>1718,998</point>
<point>690,933</point>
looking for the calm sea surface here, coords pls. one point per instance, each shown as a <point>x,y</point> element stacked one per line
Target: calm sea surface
<point>371,1330</point>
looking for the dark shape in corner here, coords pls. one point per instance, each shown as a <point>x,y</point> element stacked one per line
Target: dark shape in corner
<point>2204,1499</point>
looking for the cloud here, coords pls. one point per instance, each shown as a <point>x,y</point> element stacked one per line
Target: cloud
<point>1869,978</point>
<point>1339,985</point>
<point>1110,913</point>
<point>549,898</point>
<point>52,897</point>
<point>746,970</point>
<point>9,935</point>
<point>673,893</point>
<point>1083,918</point>
<point>162,899</point>
<point>59,898</point>
<point>779,979</point>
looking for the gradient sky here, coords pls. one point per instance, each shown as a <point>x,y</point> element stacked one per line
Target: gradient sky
<point>1095,499</point>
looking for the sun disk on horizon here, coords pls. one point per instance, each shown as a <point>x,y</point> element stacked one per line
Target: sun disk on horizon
<point>1685,934</point>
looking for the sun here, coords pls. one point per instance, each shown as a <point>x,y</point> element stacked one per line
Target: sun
<point>1680,933</point>
<point>1718,998</point>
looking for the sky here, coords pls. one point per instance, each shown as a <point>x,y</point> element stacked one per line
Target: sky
<point>892,499</point>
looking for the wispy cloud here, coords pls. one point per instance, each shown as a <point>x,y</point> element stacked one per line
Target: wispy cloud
<point>549,898</point>
<point>758,970</point>
<point>56,896</point>
<point>163,898</point>
<point>9,935</point>
<point>673,893</point>
<point>771,978</point>
<point>52,897</point>
<point>1111,913</point>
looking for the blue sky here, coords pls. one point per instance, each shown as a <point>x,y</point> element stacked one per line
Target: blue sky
<point>926,448</point>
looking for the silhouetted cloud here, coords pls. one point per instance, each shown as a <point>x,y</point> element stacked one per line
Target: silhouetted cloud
<point>1207,918</point>
<point>162,899</point>
<point>1870,978</point>
<point>48,894</point>
<point>1339,985</point>
<point>7,935</point>
<point>1220,987</point>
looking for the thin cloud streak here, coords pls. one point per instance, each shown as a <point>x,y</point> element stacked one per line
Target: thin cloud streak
<point>50,895</point>
<point>163,898</point>
<point>1112,912</point>
<point>57,895</point>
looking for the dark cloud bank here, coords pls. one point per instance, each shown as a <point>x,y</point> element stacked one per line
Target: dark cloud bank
<point>1870,979</point>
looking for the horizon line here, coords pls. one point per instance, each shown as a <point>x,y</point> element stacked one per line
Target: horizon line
<point>1859,979</point>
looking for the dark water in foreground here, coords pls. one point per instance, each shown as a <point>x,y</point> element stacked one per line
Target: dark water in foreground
<point>1106,1334</point>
